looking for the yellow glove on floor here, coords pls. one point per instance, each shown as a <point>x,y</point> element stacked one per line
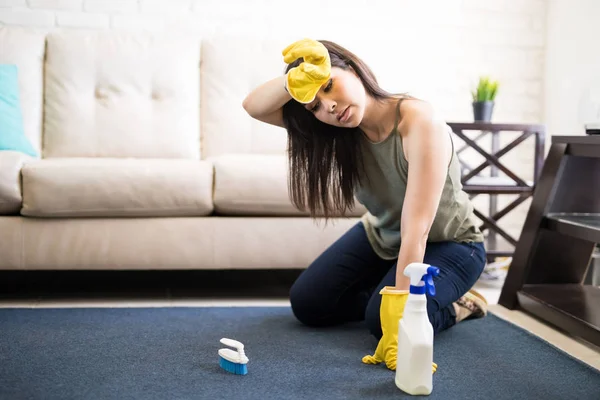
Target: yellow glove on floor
<point>390,313</point>
<point>304,81</point>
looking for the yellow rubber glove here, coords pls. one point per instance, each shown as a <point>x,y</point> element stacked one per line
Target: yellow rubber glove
<point>304,81</point>
<point>390,313</point>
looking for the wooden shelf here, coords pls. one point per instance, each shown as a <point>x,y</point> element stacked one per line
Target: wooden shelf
<point>589,140</point>
<point>575,308</point>
<point>581,146</point>
<point>498,247</point>
<point>582,226</point>
<point>506,189</point>
<point>561,230</point>
<point>497,127</point>
<point>501,180</point>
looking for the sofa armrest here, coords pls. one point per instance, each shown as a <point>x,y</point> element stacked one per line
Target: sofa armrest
<point>10,181</point>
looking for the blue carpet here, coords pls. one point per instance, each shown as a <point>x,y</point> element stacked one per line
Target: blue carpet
<point>171,353</point>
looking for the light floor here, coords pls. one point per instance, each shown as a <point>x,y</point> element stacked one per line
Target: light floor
<point>169,298</point>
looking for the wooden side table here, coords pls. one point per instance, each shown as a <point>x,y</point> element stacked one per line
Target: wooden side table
<point>555,247</point>
<point>494,185</point>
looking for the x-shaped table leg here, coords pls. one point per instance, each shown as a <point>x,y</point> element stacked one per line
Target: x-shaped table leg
<point>492,158</point>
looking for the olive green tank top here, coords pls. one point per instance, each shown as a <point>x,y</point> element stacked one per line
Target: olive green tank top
<point>382,190</point>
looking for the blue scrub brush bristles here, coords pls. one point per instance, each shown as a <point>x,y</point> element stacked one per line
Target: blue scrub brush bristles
<point>233,361</point>
<point>234,368</point>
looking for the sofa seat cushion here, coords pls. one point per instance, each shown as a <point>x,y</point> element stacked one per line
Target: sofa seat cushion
<point>255,184</point>
<point>11,163</point>
<point>104,187</point>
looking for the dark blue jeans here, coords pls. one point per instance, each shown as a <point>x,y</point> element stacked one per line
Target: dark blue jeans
<point>343,283</point>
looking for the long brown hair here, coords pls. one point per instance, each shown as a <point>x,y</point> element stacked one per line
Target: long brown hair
<point>325,160</point>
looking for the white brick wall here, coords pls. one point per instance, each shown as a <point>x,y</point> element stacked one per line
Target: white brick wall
<point>27,17</point>
<point>458,40</point>
<point>56,4</point>
<point>502,38</point>
<point>69,19</point>
<point>572,71</point>
<point>12,3</point>
<point>168,7</point>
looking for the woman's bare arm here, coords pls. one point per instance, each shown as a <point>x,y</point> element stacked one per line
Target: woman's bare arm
<point>265,102</point>
<point>428,151</point>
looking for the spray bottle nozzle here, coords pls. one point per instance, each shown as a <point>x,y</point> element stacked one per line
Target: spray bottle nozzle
<point>421,278</point>
<point>428,279</point>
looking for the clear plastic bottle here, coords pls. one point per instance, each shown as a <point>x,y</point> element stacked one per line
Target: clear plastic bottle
<point>415,333</point>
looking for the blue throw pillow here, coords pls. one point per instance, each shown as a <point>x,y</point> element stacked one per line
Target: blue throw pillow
<point>12,134</point>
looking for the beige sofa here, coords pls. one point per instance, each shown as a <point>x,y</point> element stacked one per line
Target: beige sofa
<point>147,157</point>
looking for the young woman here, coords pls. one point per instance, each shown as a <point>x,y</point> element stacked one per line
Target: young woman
<point>350,139</point>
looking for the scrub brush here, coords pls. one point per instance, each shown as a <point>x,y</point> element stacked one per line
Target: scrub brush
<point>231,360</point>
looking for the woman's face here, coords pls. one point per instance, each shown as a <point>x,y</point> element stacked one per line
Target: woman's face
<point>341,100</point>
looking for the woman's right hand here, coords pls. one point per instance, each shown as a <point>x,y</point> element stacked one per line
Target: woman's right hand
<point>304,81</point>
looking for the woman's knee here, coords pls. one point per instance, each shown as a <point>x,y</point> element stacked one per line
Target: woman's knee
<point>305,305</point>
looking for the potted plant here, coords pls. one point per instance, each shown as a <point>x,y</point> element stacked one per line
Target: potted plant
<point>483,99</point>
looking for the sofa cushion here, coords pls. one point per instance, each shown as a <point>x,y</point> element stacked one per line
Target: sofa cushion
<point>122,94</point>
<point>12,135</point>
<point>226,126</point>
<point>24,48</point>
<point>11,163</point>
<point>77,187</point>
<point>255,184</point>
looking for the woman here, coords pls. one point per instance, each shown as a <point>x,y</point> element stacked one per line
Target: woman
<point>349,138</point>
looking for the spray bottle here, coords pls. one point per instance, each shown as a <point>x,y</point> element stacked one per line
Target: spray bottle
<point>415,333</point>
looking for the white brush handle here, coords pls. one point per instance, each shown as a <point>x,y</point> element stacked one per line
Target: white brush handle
<point>239,356</point>
<point>233,343</point>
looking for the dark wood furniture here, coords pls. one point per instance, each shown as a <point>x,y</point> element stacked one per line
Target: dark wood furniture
<point>493,186</point>
<point>558,238</point>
